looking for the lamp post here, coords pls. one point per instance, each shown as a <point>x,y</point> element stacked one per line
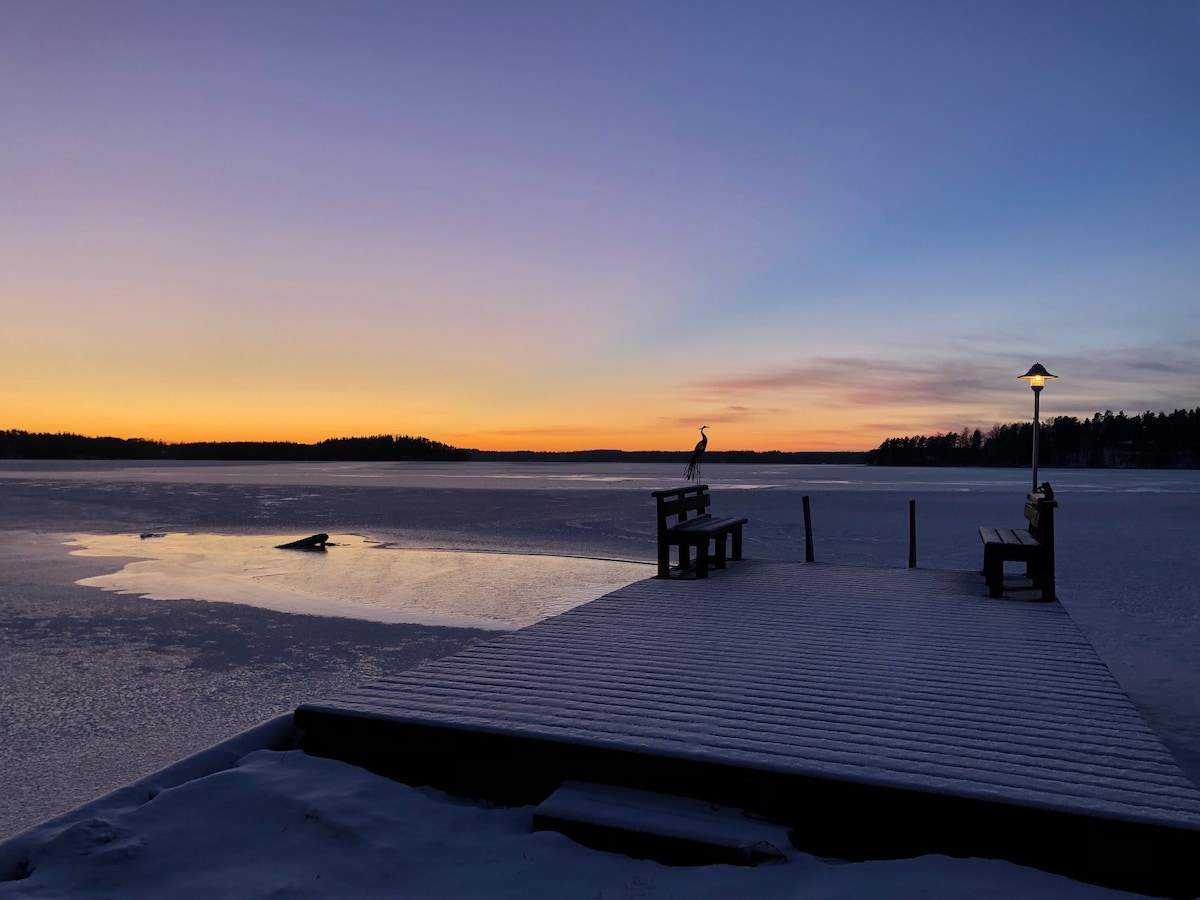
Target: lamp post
<point>1036,376</point>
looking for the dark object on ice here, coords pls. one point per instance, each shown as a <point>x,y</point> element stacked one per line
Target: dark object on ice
<point>1033,546</point>
<point>153,534</point>
<point>692,472</point>
<point>314,542</point>
<point>696,531</point>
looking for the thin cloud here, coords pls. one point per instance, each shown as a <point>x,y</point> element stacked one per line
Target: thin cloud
<point>980,383</point>
<point>858,381</point>
<point>725,415</point>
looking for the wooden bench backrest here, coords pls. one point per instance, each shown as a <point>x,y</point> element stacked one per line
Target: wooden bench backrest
<point>1039,512</point>
<point>681,502</point>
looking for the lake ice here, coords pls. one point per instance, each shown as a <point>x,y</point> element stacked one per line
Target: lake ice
<point>1128,570</point>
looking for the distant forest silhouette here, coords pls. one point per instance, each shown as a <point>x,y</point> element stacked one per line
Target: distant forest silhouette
<point>1106,440</point>
<point>26,445</point>
<point>379,448</point>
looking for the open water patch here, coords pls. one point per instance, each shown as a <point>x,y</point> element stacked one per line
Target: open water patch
<point>355,577</point>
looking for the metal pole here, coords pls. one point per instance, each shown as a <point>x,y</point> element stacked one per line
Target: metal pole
<point>1037,396</point>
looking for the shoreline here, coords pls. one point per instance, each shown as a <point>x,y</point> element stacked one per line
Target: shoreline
<point>100,689</point>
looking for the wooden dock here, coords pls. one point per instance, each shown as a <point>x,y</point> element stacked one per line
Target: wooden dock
<point>875,712</point>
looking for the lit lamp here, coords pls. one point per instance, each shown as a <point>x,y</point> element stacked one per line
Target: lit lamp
<point>1036,376</point>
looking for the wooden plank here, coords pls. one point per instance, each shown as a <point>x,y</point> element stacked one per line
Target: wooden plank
<point>671,830</point>
<point>772,651</point>
<point>706,524</point>
<point>1009,537</point>
<point>680,491</point>
<point>667,508</point>
<point>966,725</point>
<point>1014,537</point>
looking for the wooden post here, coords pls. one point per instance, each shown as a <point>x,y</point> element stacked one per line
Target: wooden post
<point>912,534</point>
<point>808,542</point>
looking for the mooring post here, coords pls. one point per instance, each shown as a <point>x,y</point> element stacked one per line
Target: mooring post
<point>808,545</point>
<point>912,534</point>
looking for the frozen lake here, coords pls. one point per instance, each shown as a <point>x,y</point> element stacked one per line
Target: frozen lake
<point>1128,570</point>
<point>356,577</point>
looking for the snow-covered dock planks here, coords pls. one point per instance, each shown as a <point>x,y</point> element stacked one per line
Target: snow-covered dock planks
<point>877,712</point>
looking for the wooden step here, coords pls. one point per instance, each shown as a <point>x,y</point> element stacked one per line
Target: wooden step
<point>668,829</point>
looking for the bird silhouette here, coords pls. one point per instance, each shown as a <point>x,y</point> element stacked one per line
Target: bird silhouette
<point>692,472</point>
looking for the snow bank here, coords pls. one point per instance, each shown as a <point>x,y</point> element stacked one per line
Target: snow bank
<point>281,823</point>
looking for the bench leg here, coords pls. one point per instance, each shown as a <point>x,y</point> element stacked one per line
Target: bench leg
<point>719,542</point>
<point>993,570</point>
<point>1046,577</point>
<point>737,542</point>
<point>702,559</point>
<point>664,559</point>
<point>1048,593</point>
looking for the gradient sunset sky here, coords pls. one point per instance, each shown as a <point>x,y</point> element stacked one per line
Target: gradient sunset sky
<point>570,224</point>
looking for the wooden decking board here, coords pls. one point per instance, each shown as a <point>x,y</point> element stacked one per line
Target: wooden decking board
<point>904,680</point>
<point>966,732</point>
<point>815,673</point>
<point>895,712</point>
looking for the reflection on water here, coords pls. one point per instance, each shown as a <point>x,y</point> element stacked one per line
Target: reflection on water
<point>357,578</point>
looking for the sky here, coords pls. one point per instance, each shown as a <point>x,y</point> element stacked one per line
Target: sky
<point>547,225</point>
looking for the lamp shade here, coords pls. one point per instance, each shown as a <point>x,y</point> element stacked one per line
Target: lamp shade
<point>1037,375</point>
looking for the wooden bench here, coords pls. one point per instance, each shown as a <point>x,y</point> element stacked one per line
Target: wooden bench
<point>692,527</point>
<point>1033,546</point>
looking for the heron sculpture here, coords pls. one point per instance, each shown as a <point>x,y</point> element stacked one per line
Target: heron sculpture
<point>692,472</point>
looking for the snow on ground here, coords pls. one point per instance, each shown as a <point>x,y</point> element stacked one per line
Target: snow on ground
<point>284,824</point>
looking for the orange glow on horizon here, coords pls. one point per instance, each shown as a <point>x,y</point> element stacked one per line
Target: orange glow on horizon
<point>510,408</point>
<point>537,440</point>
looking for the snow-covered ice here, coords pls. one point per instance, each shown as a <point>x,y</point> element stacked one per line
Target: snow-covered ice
<point>147,672</point>
<point>357,577</point>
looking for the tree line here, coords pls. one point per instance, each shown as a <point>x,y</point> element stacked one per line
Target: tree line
<point>380,447</point>
<point>1107,440</point>
<point>679,457</point>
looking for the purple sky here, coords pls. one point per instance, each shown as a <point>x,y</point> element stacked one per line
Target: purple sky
<point>808,225</point>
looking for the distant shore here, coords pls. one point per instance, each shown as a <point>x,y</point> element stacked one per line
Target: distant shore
<point>1120,442</point>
